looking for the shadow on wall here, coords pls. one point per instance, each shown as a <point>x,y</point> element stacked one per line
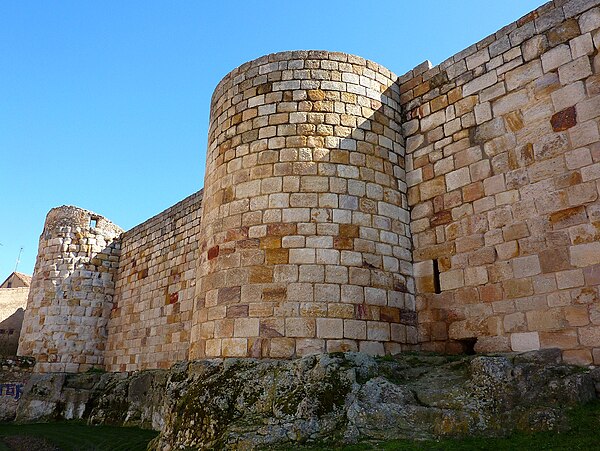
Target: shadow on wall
<point>10,330</point>
<point>376,149</point>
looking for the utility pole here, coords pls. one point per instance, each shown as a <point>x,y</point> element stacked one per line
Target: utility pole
<point>18,259</point>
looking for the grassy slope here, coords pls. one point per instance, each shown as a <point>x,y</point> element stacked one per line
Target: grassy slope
<point>76,436</point>
<point>584,435</point>
<point>70,436</point>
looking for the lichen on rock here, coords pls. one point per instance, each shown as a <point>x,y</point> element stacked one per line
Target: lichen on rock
<point>326,398</point>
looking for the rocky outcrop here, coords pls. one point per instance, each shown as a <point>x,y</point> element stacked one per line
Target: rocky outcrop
<point>246,403</point>
<point>14,374</point>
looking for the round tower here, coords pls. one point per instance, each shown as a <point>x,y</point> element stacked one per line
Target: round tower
<point>71,292</point>
<point>305,241</point>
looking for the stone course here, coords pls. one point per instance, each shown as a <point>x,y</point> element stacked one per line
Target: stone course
<point>454,208</point>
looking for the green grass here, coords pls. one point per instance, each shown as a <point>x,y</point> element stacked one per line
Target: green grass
<point>75,436</point>
<point>584,435</point>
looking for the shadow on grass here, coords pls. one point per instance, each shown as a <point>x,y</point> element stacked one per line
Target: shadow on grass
<point>75,436</point>
<point>584,424</point>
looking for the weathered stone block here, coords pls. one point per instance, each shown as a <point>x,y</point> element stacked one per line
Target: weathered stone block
<point>524,341</point>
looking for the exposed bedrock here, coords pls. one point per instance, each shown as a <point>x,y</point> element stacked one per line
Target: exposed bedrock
<point>331,398</point>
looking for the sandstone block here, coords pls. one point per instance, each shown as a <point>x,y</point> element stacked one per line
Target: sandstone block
<point>575,70</point>
<point>557,259</point>
<point>476,276</point>
<point>308,346</point>
<point>478,58</point>
<point>517,288</point>
<point>234,347</point>
<point>585,254</point>
<point>378,331</point>
<point>246,327</point>
<point>342,346</point>
<point>524,341</point>
<point>371,347</point>
<point>330,328</point>
<point>556,57</point>
<point>300,327</point>
<point>282,348</point>
<point>450,280</point>
<point>510,102</point>
<point>479,83</point>
<point>458,178</point>
<point>581,45</point>
<point>432,188</point>
<point>494,185</point>
<point>355,329</point>
<point>581,357</point>
<point>563,339</point>
<point>522,75</point>
<point>584,133</point>
<point>526,266</point>
<point>515,322</point>
<point>577,315</point>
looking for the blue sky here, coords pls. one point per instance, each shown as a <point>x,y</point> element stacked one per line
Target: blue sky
<point>105,105</point>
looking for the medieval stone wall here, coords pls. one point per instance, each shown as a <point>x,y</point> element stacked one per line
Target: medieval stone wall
<point>318,231</point>
<point>150,322</point>
<point>305,244</point>
<point>503,165</point>
<point>71,291</point>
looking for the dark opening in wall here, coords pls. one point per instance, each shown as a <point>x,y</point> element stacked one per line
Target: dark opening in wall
<point>436,277</point>
<point>468,345</point>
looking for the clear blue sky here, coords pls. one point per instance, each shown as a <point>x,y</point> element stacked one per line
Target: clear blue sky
<point>105,105</point>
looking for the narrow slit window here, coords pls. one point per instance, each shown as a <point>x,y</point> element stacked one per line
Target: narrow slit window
<point>93,223</point>
<point>436,277</point>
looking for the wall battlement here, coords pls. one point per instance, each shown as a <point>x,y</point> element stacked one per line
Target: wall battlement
<point>345,208</point>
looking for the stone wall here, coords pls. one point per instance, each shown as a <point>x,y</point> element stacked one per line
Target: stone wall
<point>12,305</point>
<point>503,168</point>
<point>305,244</point>
<point>71,291</point>
<point>315,231</point>
<point>150,322</point>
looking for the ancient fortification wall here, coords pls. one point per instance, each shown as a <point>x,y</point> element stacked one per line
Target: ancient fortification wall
<point>305,241</point>
<point>71,291</point>
<point>150,322</point>
<point>315,219</point>
<point>503,164</point>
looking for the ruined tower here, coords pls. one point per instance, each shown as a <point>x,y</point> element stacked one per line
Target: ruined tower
<point>71,292</point>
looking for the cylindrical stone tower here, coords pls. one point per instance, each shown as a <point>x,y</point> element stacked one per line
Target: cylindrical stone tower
<point>71,292</point>
<point>305,243</point>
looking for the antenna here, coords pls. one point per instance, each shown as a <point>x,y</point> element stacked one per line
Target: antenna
<point>18,259</point>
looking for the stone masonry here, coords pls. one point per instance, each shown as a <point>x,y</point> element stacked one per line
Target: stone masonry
<point>71,294</point>
<point>305,241</point>
<point>503,168</point>
<point>151,318</point>
<point>454,208</point>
